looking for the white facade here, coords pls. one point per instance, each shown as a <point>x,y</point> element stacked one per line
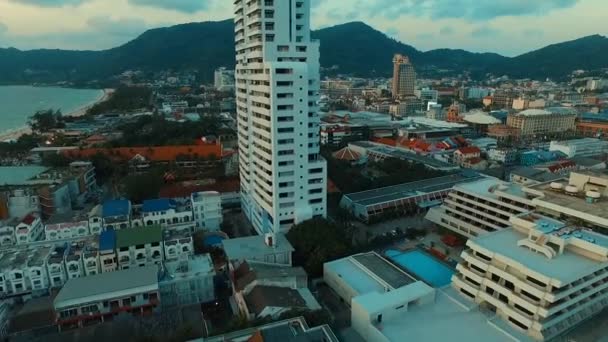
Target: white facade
<point>480,207</point>
<point>30,229</point>
<point>224,79</point>
<point>178,245</point>
<point>7,235</point>
<point>66,230</point>
<point>587,147</point>
<point>277,89</point>
<point>23,271</point>
<point>207,210</point>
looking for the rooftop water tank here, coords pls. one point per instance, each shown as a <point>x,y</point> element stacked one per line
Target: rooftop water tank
<point>557,186</point>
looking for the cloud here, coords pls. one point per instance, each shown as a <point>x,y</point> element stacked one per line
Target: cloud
<point>446,30</point>
<point>117,27</point>
<point>3,28</point>
<point>533,33</point>
<point>485,32</point>
<point>472,10</point>
<point>186,6</point>
<point>392,32</point>
<point>50,3</point>
<point>425,36</point>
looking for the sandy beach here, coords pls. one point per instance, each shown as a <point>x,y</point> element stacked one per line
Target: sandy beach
<point>14,134</point>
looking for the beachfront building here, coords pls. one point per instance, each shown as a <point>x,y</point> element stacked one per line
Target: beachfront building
<point>207,210</point>
<point>283,176</point>
<point>102,297</point>
<point>477,208</point>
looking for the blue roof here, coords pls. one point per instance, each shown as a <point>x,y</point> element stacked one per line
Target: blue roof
<point>107,240</point>
<point>213,240</point>
<point>116,208</point>
<point>161,204</point>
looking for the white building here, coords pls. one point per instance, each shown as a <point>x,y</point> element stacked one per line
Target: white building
<point>224,79</point>
<point>207,210</point>
<point>277,90</point>
<point>24,271</point>
<point>271,249</point>
<point>480,207</point>
<point>168,213</point>
<point>61,227</point>
<point>94,299</point>
<point>7,235</point>
<point>586,147</point>
<point>139,247</point>
<point>187,281</point>
<point>30,229</point>
<point>427,95</point>
<point>177,245</point>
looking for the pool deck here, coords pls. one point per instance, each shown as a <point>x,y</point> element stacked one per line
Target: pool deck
<point>435,272</point>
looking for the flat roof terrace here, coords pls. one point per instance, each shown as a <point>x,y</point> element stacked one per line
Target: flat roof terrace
<point>573,203</point>
<point>397,192</point>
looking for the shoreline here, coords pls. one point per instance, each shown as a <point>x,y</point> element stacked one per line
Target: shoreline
<point>16,133</point>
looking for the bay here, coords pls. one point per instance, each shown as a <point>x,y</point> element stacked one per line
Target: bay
<point>18,103</point>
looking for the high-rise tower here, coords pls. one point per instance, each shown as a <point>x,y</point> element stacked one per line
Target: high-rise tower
<point>283,177</point>
<point>404,77</point>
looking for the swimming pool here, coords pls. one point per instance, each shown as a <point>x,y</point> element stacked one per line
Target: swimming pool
<point>423,266</point>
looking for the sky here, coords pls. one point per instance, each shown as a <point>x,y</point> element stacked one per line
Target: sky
<point>508,27</point>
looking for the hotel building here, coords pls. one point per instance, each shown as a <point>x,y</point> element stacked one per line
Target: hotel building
<point>283,177</point>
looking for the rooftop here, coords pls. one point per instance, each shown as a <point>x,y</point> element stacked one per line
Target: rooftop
<point>252,246</point>
<point>138,236</point>
<point>155,205</point>
<point>536,175</point>
<point>449,318</point>
<point>403,154</point>
<point>107,240</point>
<point>106,284</point>
<point>19,175</point>
<point>566,267</point>
<point>369,272</point>
<point>116,208</point>
<point>481,118</point>
<point>397,192</point>
<point>250,271</point>
<point>194,266</point>
<point>262,297</point>
<point>486,188</point>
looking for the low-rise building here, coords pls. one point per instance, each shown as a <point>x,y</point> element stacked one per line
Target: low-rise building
<point>188,281</point>
<point>408,198</point>
<point>107,251</point>
<point>592,129</point>
<point>7,235</point>
<point>177,244</point>
<point>101,297</point>
<point>271,248</point>
<point>24,271</point>
<point>66,226</point>
<point>168,213</point>
<point>116,214</point>
<point>207,210</point>
<point>139,247</point>
<point>505,156</point>
<point>291,330</point>
<point>587,147</point>
<point>29,229</point>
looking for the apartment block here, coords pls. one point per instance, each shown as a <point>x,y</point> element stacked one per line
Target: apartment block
<point>168,213</point>
<point>477,208</point>
<point>277,94</point>
<point>539,121</point>
<point>139,247</point>
<point>24,271</point>
<point>207,210</point>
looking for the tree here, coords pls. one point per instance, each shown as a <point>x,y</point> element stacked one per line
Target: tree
<point>46,120</point>
<point>142,187</point>
<point>56,160</point>
<point>318,241</point>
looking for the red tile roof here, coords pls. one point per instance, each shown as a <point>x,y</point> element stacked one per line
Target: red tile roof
<point>469,150</point>
<point>184,190</point>
<point>157,153</point>
<point>29,219</point>
<point>385,141</point>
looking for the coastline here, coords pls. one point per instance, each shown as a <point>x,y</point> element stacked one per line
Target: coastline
<point>16,133</point>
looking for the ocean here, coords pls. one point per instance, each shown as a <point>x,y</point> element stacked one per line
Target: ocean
<point>18,103</point>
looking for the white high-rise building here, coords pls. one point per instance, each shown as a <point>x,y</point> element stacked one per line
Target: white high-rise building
<point>283,177</point>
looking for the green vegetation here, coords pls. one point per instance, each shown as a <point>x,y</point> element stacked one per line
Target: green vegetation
<point>123,99</point>
<point>46,120</point>
<point>171,48</point>
<point>349,178</point>
<point>157,131</point>
<point>318,241</point>
<point>23,145</point>
<point>141,187</point>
